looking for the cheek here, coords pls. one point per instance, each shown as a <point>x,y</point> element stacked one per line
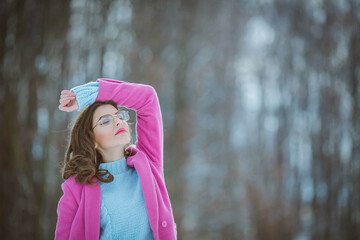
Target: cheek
<point>103,138</point>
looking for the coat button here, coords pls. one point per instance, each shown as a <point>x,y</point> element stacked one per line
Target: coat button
<point>164,224</point>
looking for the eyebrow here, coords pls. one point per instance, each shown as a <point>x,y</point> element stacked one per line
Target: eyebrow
<point>106,115</point>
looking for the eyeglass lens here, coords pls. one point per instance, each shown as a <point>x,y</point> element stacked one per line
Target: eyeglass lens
<point>108,119</point>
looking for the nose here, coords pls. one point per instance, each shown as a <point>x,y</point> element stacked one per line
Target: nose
<point>117,122</point>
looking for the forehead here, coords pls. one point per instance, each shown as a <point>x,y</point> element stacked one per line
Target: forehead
<point>103,110</point>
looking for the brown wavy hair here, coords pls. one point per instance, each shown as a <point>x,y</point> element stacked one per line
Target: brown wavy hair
<point>81,153</point>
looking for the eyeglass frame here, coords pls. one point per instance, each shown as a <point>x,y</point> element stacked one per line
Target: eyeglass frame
<point>112,115</point>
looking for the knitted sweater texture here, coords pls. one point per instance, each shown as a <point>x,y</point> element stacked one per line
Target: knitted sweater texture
<point>123,211</point>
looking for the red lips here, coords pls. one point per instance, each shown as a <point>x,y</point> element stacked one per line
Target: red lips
<point>120,131</point>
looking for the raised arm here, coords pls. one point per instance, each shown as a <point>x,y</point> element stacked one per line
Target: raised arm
<point>144,100</point>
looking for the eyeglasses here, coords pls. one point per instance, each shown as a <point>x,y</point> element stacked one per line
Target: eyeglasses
<point>108,119</point>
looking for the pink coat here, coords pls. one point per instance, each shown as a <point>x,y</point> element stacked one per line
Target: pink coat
<point>79,207</point>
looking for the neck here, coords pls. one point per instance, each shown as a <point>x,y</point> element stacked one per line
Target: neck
<point>113,154</point>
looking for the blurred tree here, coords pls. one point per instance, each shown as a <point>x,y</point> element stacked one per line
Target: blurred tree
<point>29,45</point>
<point>260,103</point>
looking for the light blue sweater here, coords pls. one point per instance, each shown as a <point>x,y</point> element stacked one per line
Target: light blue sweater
<point>86,94</point>
<point>123,212</point>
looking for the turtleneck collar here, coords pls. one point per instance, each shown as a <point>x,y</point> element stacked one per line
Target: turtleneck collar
<point>116,167</point>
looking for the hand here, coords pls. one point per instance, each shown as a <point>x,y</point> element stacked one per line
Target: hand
<point>68,102</point>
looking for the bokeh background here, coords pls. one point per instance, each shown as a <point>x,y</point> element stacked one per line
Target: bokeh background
<point>260,102</point>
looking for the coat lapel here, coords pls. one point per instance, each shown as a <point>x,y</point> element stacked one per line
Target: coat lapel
<point>92,203</point>
<point>143,168</point>
<point>92,197</point>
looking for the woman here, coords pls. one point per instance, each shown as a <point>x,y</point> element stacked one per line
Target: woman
<point>113,190</point>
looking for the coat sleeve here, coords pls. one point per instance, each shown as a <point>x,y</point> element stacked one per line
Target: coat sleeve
<point>66,211</point>
<point>144,101</point>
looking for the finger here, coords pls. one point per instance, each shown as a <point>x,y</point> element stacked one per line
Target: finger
<point>66,91</point>
<point>65,98</point>
<point>68,97</point>
<point>63,108</point>
<point>61,100</point>
<point>63,103</point>
<point>68,94</point>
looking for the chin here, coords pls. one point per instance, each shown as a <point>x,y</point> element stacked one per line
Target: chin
<point>123,142</point>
